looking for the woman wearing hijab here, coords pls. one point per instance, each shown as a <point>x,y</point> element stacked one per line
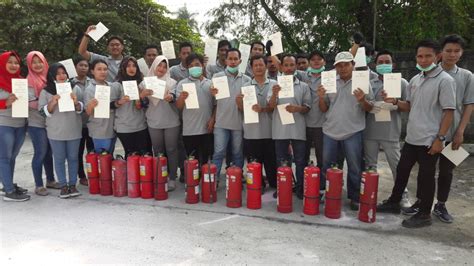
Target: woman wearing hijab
<point>37,73</point>
<point>63,129</point>
<point>163,118</point>
<point>130,122</point>
<point>12,130</point>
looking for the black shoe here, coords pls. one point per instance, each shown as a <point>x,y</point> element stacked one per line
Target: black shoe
<point>15,197</point>
<point>64,194</point>
<point>441,212</point>
<point>17,190</point>
<point>354,205</point>
<point>388,206</point>
<point>73,192</point>
<point>418,220</point>
<point>413,209</point>
<point>275,194</point>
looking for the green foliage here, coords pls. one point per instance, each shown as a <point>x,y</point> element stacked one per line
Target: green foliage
<point>327,25</point>
<point>56,27</point>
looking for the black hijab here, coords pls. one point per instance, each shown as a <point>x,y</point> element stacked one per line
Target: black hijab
<point>51,78</point>
<point>122,74</point>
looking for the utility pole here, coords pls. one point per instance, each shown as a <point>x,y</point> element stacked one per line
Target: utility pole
<point>148,25</point>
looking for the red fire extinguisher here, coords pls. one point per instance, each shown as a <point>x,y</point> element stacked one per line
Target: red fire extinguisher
<point>92,166</point>
<point>191,173</point>
<point>368,195</point>
<point>160,168</point>
<point>284,189</point>
<point>208,183</point>
<point>119,176</point>
<point>334,182</point>
<point>254,185</point>
<point>233,191</point>
<point>146,177</point>
<point>133,175</point>
<point>311,190</point>
<point>105,166</point>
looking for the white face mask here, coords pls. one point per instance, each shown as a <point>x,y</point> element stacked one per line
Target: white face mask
<point>426,69</point>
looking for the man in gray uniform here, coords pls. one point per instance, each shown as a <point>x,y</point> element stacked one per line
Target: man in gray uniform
<point>180,72</point>
<point>385,134</point>
<point>215,67</point>
<point>431,103</point>
<point>256,48</point>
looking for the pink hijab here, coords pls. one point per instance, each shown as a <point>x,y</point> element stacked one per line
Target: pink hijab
<point>36,80</point>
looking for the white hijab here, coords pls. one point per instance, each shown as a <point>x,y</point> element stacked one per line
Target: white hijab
<point>170,83</point>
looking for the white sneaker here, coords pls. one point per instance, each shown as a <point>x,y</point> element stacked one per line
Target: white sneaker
<point>171,185</point>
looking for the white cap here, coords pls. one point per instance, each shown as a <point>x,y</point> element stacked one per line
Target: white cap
<point>343,57</point>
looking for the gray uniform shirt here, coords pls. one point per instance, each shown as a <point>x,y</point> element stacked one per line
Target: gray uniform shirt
<point>6,118</point>
<point>298,129</point>
<point>161,114</point>
<point>428,95</point>
<point>101,128</point>
<point>60,125</point>
<point>35,119</point>
<point>228,115</point>
<point>179,72</point>
<point>195,120</point>
<point>112,65</point>
<point>80,89</point>
<point>213,69</point>
<point>388,131</point>
<point>262,129</point>
<point>464,94</point>
<point>345,116</point>
<point>314,118</point>
<point>128,118</point>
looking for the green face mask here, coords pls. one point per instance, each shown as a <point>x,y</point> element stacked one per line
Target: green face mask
<point>195,72</point>
<point>368,59</point>
<point>426,69</point>
<point>316,70</point>
<point>233,70</point>
<point>383,68</point>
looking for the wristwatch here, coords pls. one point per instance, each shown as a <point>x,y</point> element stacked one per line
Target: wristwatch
<point>441,137</point>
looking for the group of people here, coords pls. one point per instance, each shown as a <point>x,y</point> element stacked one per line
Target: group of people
<point>341,126</point>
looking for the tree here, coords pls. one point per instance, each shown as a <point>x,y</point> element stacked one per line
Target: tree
<point>327,25</point>
<point>56,27</point>
<point>184,14</point>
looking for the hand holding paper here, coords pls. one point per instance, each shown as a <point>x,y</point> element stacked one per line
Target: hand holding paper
<point>65,103</point>
<point>70,67</point>
<point>222,85</point>
<point>192,99</point>
<point>249,100</point>
<point>285,116</point>
<point>277,47</point>
<point>286,84</point>
<point>392,84</point>
<point>328,80</point>
<point>102,95</point>
<point>158,86</point>
<point>360,79</point>
<point>130,89</point>
<point>455,156</point>
<point>98,32</point>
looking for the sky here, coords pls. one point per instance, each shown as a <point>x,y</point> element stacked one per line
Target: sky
<point>194,6</point>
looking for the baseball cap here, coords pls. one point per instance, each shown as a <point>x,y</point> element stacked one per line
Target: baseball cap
<point>343,57</point>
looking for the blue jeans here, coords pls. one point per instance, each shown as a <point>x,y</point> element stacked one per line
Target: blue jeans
<point>299,152</point>
<point>42,155</point>
<point>352,150</point>
<point>11,140</point>
<point>221,139</point>
<point>62,150</point>
<point>104,144</point>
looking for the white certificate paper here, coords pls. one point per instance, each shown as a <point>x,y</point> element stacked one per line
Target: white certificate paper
<point>158,86</point>
<point>65,103</point>
<point>143,66</point>
<point>168,49</point>
<point>70,67</point>
<point>286,84</point>
<point>277,45</point>
<point>285,116</point>
<point>455,156</point>
<point>102,95</point>
<point>100,30</point>
<point>383,116</point>
<point>392,84</point>
<point>250,99</point>
<point>328,80</point>
<point>210,50</point>
<point>130,89</point>
<point>192,100</point>
<point>221,84</point>
<point>20,106</point>
<point>360,58</point>
<point>245,55</point>
<point>360,79</point>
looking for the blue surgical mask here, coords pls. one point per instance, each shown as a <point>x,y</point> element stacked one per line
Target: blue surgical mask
<point>383,68</point>
<point>316,70</point>
<point>195,72</point>
<point>232,70</point>
<point>426,69</point>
